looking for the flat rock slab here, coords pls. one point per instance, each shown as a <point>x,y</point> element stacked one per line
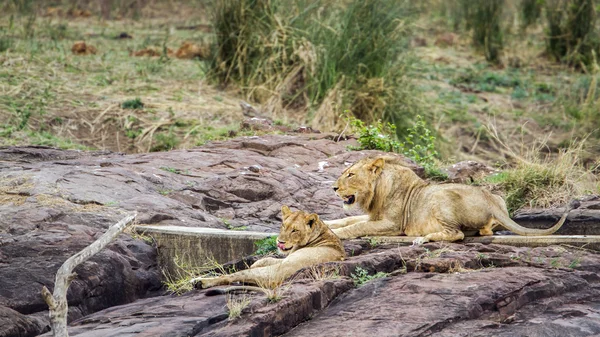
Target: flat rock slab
<point>433,290</point>
<point>591,242</point>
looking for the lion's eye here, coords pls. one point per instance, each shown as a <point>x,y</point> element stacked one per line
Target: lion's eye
<point>294,230</point>
<point>350,175</point>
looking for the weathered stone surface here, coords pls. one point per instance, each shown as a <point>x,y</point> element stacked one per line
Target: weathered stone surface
<point>54,202</point>
<point>437,289</point>
<point>468,171</point>
<point>584,220</point>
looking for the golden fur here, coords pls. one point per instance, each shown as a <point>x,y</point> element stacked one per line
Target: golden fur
<point>398,202</point>
<point>306,241</point>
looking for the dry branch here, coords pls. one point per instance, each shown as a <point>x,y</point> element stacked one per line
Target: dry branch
<point>57,302</point>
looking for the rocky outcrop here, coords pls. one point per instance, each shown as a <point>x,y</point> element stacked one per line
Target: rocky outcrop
<point>54,202</point>
<point>434,290</point>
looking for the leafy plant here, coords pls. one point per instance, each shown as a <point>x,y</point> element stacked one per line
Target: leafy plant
<point>419,144</point>
<point>135,104</point>
<point>361,276</point>
<point>266,246</point>
<point>378,136</point>
<point>165,141</point>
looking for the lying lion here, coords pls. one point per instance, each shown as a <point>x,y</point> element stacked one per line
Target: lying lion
<point>398,202</point>
<point>306,241</point>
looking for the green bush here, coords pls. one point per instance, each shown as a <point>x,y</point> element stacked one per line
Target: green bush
<point>266,246</point>
<point>484,19</point>
<point>530,12</point>
<point>571,33</point>
<point>133,104</point>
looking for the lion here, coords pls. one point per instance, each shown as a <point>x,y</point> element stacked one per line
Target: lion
<point>398,202</point>
<point>303,238</point>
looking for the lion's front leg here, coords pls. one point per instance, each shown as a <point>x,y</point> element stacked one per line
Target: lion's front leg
<point>366,228</point>
<point>267,261</point>
<point>351,220</point>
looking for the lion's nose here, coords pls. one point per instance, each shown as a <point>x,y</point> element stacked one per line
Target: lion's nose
<point>335,188</point>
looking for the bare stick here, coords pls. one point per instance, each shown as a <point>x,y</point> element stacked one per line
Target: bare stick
<point>57,302</point>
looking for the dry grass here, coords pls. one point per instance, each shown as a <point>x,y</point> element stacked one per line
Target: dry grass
<point>186,273</point>
<point>53,96</point>
<point>236,305</point>
<point>544,180</point>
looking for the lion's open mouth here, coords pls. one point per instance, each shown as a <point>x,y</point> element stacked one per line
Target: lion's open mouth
<point>349,199</point>
<point>281,247</point>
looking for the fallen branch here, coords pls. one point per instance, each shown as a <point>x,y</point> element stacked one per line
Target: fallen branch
<point>57,302</point>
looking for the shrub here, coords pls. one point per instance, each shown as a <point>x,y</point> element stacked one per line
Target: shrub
<point>300,55</point>
<point>571,33</point>
<point>378,136</point>
<point>133,104</point>
<point>530,12</point>
<point>484,19</point>
<point>266,246</point>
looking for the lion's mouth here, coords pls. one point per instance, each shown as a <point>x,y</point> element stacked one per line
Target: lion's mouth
<point>281,247</point>
<point>349,199</point>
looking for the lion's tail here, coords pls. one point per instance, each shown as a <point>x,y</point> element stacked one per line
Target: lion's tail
<point>509,224</point>
<point>222,291</point>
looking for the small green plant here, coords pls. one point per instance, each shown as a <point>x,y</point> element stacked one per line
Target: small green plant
<point>111,203</point>
<point>361,276</point>
<point>164,191</point>
<point>266,246</point>
<point>373,242</point>
<point>135,104</point>
<point>170,169</point>
<point>555,263</point>
<point>575,263</point>
<point>165,142</point>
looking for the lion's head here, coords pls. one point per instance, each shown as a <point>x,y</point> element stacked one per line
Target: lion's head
<point>298,230</point>
<point>357,183</point>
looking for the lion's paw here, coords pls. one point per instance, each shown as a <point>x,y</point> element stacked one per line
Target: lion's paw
<point>419,241</point>
<point>204,283</point>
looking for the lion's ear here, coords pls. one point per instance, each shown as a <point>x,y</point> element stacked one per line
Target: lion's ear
<point>285,210</point>
<point>377,165</point>
<point>311,220</point>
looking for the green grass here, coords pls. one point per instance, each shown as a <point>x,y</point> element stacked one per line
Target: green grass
<point>361,276</point>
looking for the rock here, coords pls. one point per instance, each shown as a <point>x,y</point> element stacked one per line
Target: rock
<point>55,202</point>
<point>446,40</point>
<point>418,42</point>
<point>189,50</point>
<point>123,36</point>
<point>581,221</point>
<point>81,48</point>
<point>468,171</point>
<point>437,289</point>
<point>151,52</point>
